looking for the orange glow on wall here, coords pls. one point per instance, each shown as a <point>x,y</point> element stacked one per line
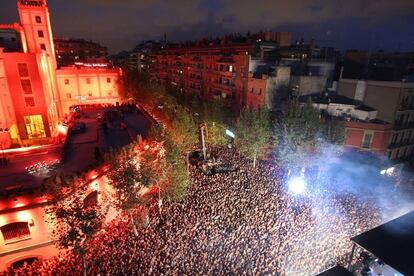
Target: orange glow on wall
<point>24,216</point>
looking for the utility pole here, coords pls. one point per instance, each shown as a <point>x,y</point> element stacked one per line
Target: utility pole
<point>203,142</point>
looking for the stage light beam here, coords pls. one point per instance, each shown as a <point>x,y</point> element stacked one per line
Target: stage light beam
<point>297,185</point>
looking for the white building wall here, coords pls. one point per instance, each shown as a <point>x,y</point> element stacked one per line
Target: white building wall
<point>87,86</point>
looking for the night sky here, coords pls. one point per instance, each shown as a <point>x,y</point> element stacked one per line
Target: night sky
<point>121,24</point>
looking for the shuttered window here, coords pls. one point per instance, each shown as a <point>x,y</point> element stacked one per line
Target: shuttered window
<point>16,230</point>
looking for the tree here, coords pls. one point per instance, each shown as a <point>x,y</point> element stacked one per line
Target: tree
<point>184,131</point>
<point>253,133</point>
<point>177,190</point>
<point>171,171</point>
<point>126,179</point>
<point>300,133</point>
<point>216,118</point>
<point>75,220</point>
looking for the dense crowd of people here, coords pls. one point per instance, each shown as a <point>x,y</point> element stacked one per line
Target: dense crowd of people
<point>241,222</point>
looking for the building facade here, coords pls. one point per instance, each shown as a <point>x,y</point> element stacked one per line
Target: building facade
<point>394,102</point>
<point>227,72</point>
<point>363,130</point>
<point>87,85</point>
<point>31,103</point>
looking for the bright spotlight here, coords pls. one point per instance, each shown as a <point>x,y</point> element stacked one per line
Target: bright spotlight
<point>390,171</point>
<point>297,185</point>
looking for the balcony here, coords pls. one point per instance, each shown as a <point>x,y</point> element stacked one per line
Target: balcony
<point>403,143</point>
<point>405,106</point>
<point>398,126</point>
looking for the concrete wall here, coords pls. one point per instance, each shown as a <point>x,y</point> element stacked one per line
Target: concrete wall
<point>277,87</point>
<point>309,84</point>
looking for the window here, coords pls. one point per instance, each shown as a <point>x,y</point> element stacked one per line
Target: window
<point>90,94</point>
<point>43,47</point>
<point>21,263</point>
<point>260,91</point>
<point>108,80</point>
<point>34,126</point>
<point>88,80</point>
<point>252,91</point>
<point>16,230</point>
<point>23,70</point>
<point>40,34</point>
<point>26,86</point>
<point>29,101</point>
<point>366,143</point>
<point>68,96</point>
<point>38,19</point>
<point>66,81</point>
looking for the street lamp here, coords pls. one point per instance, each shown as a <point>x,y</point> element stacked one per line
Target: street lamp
<point>230,133</point>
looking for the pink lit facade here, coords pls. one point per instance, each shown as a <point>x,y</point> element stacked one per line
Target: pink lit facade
<point>33,98</point>
<point>28,214</point>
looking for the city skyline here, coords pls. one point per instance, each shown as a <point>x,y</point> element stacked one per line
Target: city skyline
<point>120,25</point>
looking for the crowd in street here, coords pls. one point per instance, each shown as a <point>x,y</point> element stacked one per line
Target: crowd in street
<point>241,222</point>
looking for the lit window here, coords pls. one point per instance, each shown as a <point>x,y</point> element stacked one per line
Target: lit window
<point>108,80</point>
<point>88,80</point>
<point>231,68</point>
<point>40,34</point>
<point>366,143</point>
<point>34,126</point>
<point>66,82</point>
<point>68,96</point>
<point>23,70</point>
<point>43,47</point>
<point>29,101</point>
<point>15,231</point>
<point>38,19</point>
<point>26,86</point>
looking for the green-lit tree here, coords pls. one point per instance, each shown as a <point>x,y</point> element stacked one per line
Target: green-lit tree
<point>184,131</point>
<point>253,133</point>
<point>216,118</point>
<point>171,171</point>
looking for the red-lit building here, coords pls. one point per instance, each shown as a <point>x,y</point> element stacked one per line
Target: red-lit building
<point>32,99</point>
<point>220,71</point>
